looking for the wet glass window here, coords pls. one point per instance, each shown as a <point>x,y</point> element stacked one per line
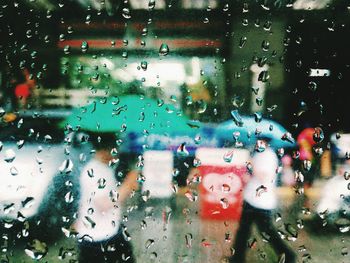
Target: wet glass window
<point>174,131</point>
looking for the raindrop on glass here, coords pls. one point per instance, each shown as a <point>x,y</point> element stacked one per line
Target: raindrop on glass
<point>228,156</point>
<point>163,49</point>
<point>318,135</point>
<point>84,46</point>
<point>126,13</point>
<point>66,166</point>
<point>237,118</point>
<point>36,249</point>
<point>182,151</point>
<point>10,155</point>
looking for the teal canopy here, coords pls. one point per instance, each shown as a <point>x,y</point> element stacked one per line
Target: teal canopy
<point>131,114</point>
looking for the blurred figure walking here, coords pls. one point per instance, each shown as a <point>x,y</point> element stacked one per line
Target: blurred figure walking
<point>260,200</point>
<point>102,192</point>
<point>307,159</point>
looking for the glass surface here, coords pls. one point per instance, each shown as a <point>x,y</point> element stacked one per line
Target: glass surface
<point>174,131</point>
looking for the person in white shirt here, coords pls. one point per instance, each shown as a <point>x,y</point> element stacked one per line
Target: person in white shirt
<point>102,193</point>
<point>259,202</point>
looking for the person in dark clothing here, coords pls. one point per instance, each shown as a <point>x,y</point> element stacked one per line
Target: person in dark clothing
<point>263,219</point>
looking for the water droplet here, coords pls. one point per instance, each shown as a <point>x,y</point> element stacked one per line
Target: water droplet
<point>291,231</point>
<point>242,42</point>
<point>175,172</point>
<point>312,85</point>
<point>163,49</point>
<point>191,196</point>
<point>318,135</point>
<point>160,102</point>
<point>36,249</point>
<point>265,45</point>
<point>149,243</point>
<point>19,123</point>
<point>174,188</point>
<point>28,202</point>
<point>299,177</point>
<point>260,190</point>
<point>82,157</point>
<point>142,116</point>
<point>260,146</point>
<point>13,171</point>
<point>126,234</point>
<point>228,156</point>
<point>188,240</point>
<point>188,100</point>
<point>182,151</point>
<point>264,76</point>
<point>224,203</point>
<point>20,144</point>
<point>144,65</point>
<point>344,228</point>
<point>225,8</point>
<point>2,112</point>
<point>198,139</point>
<point>125,54</point>
<point>88,19</point>
<point>88,222</point>
<point>66,166</point>
<point>29,33</point>
<point>66,49</point>
<point>143,224</point>
<point>8,209</point>
<point>288,137</point>
<point>146,195</point>
<point>151,4</point>
<point>259,101</point>
<point>173,98</point>
<point>267,25</point>
<point>10,155</point>
<point>48,14</point>
<point>225,188</point>
<point>196,162</point>
<point>237,118</point>
<point>144,31</point>
<point>101,183</point>
<point>300,224</point>
<point>84,46</point>
<point>258,116</point>
<point>245,22</point>
<point>126,13</point>
<point>68,198</point>
<point>202,106</point>
<point>307,165</point>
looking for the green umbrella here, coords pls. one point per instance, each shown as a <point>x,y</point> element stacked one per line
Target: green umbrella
<point>130,114</point>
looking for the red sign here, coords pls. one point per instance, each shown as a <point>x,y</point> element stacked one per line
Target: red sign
<point>221,192</point>
<point>221,186</point>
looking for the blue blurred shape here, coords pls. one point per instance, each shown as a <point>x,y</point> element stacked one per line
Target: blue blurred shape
<point>247,130</point>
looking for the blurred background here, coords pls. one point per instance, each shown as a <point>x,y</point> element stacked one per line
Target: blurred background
<point>222,65</point>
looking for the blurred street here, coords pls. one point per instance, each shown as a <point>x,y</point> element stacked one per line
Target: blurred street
<point>186,238</point>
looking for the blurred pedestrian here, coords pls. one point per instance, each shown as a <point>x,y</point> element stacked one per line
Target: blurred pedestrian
<point>102,193</point>
<point>308,161</point>
<point>259,203</point>
<point>24,88</point>
<point>287,171</point>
